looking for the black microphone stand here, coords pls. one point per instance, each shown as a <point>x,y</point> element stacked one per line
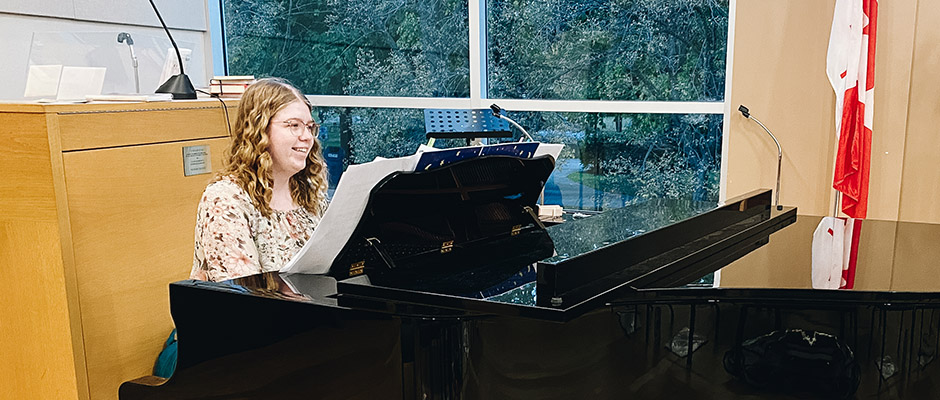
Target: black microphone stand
<point>497,112</point>
<point>747,114</point>
<point>178,85</point>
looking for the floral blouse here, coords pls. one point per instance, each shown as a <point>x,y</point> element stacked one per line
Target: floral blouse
<point>233,238</point>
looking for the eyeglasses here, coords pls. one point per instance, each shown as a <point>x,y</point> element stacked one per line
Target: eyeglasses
<point>297,127</point>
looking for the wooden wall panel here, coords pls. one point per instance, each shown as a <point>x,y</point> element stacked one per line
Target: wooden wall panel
<point>921,188</point>
<point>35,334</point>
<point>83,130</point>
<point>893,60</point>
<point>26,191</point>
<point>779,73</point>
<point>130,198</point>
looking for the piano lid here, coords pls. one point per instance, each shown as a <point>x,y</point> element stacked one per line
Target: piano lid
<point>658,243</point>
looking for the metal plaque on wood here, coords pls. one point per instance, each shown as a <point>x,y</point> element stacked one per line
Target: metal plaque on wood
<point>196,160</point>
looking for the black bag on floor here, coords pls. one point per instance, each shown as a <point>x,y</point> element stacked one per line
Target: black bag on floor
<point>796,361</point>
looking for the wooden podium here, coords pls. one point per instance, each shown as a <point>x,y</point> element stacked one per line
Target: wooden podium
<point>96,220</point>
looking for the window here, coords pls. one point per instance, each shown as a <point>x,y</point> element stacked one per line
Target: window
<point>634,88</point>
<point>607,50</point>
<point>352,47</point>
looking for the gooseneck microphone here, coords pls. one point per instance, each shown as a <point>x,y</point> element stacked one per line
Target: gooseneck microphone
<point>126,37</point>
<point>497,112</point>
<point>178,85</point>
<point>747,114</point>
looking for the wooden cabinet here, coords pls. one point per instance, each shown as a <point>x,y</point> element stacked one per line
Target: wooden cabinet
<point>96,219</point>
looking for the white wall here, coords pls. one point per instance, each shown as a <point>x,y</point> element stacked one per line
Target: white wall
<point>19,19</point>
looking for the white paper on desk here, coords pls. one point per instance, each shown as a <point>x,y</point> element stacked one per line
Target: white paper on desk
<point>345,210</point>
<point>78,82</point>
<point>130,97</point>
<point>42,81</point>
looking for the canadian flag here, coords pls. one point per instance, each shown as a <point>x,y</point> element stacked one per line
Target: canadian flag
<point>835,247</point>
<point>850,65</point>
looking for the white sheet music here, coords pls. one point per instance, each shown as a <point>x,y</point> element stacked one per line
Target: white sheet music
<point>552,149</point>
<point>344,212</point>
<point>349,202</point>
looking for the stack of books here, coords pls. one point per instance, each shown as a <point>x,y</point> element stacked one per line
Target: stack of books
<point>230,86</point>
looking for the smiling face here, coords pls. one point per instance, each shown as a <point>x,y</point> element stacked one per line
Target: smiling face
<point>289,151</point>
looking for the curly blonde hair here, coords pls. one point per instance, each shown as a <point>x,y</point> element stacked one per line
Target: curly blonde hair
<point>248,160</point>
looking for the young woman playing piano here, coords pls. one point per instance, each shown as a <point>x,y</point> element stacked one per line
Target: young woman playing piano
<point>266,201</point>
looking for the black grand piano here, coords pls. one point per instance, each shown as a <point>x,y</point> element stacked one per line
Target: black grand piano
<point>451,287</point>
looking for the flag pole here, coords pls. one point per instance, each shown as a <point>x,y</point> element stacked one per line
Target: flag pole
<point>835,204</point>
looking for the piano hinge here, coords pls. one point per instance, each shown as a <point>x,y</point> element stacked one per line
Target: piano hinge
<point>515,230</point>
<point>535,217</point>
<point>357,268</point>
<point>447,246</point>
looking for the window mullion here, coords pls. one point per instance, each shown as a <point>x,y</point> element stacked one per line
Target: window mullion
<point>477,25</point>
<point>726,123</point>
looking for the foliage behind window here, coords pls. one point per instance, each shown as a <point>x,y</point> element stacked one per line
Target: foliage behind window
<point>353,47</point>
<point>666,50</point>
